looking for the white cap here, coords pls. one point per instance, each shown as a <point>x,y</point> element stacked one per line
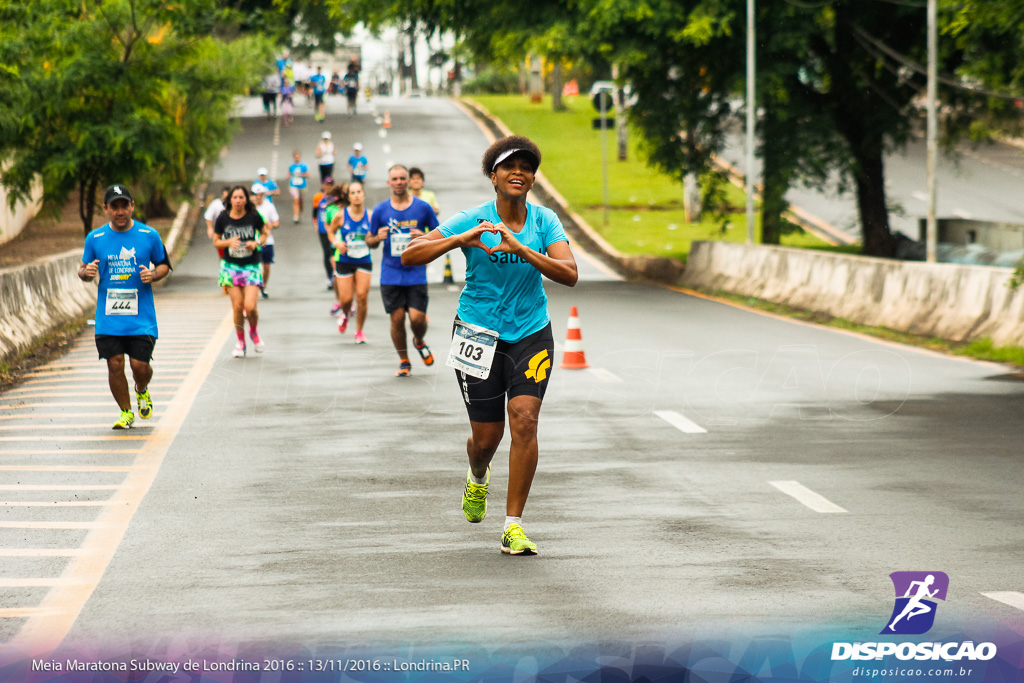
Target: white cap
<point>257,188</point>
<point>261,171</point>
<point>326,135</point>
<point>358,146</point>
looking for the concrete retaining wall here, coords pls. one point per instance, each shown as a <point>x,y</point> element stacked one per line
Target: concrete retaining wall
<point>13,222</point>
<point>945,300</point>
<point>39,297</point>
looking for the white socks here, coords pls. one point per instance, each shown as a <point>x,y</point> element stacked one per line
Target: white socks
<point>509,521</point>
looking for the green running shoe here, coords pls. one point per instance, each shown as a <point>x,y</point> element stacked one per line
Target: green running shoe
<point>515,542</point>
<point>145,404</point>
<point>474,499</point>
<point>126,420</point>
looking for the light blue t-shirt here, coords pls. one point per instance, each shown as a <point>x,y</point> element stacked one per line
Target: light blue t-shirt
<point>419,215</point>
<point>503,292</point>
<point>298,181</point>
<point>359,165</point>
<point>270,185</point>
<point>319,82</point>
<point>121,289</point>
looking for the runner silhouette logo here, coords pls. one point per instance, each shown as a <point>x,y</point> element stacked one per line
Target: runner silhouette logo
<point>916,595</point>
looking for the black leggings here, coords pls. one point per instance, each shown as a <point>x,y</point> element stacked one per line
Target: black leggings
<point>325,244</point>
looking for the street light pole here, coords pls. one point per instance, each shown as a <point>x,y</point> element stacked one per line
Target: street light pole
<point>931,228</point>
<point>750,121</point>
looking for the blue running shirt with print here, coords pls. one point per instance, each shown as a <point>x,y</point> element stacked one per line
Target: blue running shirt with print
<point>120,255</point>
<point>503,292</point>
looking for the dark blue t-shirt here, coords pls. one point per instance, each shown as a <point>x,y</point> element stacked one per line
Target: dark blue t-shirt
<point>419,215</point>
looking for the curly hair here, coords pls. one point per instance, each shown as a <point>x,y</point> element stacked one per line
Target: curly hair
<point>502,145</point>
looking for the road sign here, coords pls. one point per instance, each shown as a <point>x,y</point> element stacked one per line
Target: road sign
<point>602,100</point>
<point>609,122</point>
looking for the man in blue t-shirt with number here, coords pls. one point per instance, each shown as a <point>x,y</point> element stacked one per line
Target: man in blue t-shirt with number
<point>394,222</point>
<point>128,257</point>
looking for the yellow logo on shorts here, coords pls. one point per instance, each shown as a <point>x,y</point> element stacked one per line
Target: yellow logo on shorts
<point>539,365</point>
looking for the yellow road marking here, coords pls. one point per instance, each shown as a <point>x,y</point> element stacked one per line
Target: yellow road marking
<point>40,552</point>
<point>43,633</point>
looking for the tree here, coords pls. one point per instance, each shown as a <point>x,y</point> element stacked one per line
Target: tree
<point>115,91</point>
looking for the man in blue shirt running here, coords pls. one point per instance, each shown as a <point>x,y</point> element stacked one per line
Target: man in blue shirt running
<point>128,257</point>
<point>394,222</point>
<point>319,82</point>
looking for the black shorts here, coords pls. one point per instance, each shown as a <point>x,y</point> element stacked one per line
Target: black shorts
<point>267,253</point>
<point>318,98</point>
<point>522,368</point>
<point>404,296</point>
<point>347,269</point>
<point>138,347</point>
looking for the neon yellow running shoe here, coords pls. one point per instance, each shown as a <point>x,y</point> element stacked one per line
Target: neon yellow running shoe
<point>126,420</point>
<point>474,498</point>
<point>145,404</point>
<point>515,542</point>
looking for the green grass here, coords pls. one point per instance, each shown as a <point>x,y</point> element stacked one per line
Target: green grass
<point>982,349</point>
<point>645,205</point>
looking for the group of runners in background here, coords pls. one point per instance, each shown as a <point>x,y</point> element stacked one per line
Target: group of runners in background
<point>293,79</point>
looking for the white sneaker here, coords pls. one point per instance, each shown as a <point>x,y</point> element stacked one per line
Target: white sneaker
<point>257,343</point>
<point>239,351</point>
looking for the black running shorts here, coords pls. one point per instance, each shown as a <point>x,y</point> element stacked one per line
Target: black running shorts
<point>404,296</point>
<point>522,368</point>
<point>345,269</point>
<point>138,347</point>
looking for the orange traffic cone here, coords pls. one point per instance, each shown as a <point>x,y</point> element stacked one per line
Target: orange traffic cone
<point>387,119</point>
<point>573,358</point>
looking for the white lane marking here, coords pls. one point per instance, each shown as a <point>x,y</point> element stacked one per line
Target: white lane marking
<point>57,503</point>
<point>606,375</point>
<point>40,552</point>
<point>65,601</point>
<point>1011,598</point>
<point>31,583</point>
<point>51,525</point>
<point>920,196</point>
<point>58,487</point>
<point>813,500</point>
<point>679,422</point>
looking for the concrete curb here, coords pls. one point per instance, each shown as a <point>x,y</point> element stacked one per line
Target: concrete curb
<point>653,268</point>
<point>39,297</point>
<point>956,302</point>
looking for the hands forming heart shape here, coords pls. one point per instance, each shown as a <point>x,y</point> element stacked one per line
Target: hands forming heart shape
<point>508,242</point>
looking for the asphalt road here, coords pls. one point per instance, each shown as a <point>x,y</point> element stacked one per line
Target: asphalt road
<point>977,182</point>
<point>715,473</point>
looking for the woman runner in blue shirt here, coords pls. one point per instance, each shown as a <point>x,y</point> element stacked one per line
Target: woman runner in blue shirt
<point>502,343</point>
